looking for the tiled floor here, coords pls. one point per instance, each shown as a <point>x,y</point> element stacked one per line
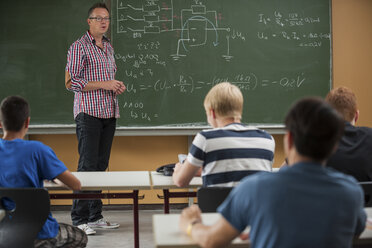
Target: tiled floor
<point>123,236</point>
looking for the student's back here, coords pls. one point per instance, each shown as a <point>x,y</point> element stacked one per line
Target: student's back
<point>305,205</point>
<point>27,163</point>
<point>354,153</point>
<point>231,153</point>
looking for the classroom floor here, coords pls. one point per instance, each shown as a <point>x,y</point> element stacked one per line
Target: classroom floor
<point>123,236</point>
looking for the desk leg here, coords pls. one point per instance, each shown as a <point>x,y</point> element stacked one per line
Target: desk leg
<point>166,201</point>
<point>135,218</point>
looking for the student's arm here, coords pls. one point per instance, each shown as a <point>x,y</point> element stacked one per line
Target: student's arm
<point>218,235</point>
<point>198,173</point>
<point>361,223</point>
<point>183,173</point>
<point>69,180</point>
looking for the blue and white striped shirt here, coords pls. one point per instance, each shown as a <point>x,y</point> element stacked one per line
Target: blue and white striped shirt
<point>230,153</point>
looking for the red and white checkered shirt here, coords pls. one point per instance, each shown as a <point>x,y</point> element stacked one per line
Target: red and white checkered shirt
<point>87,62</point>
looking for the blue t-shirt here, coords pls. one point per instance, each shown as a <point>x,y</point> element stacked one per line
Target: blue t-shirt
<point>26,164</point>
<point>305,205</point>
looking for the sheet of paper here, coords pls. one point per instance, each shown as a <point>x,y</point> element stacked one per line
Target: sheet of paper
<point>369,223</point>
<point>182,157</point>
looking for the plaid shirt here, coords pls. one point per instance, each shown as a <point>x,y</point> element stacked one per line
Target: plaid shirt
<point>87,62</point>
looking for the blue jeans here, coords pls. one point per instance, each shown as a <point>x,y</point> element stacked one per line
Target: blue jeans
<point>95,137</point>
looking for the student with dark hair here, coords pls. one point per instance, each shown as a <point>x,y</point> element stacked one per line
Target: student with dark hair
<point>90,74</point>
<point>26,164</point>
<point>354,152</point>
<point>302,205</point>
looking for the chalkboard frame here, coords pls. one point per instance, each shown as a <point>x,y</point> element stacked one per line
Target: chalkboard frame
<point>142,131</point>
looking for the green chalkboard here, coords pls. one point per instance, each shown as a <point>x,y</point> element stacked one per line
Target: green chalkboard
<point>170,53</point>
<point>34,39</point>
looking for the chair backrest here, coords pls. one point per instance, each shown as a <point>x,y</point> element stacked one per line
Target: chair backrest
<point>210,198</point>
<point>367,188</point>
<point>20,226</point>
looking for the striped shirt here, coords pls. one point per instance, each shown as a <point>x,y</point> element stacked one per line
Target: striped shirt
<point>88,62</point>
<point>230,153</point>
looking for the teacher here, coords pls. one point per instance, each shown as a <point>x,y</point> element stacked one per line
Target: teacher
<point>90,74</point>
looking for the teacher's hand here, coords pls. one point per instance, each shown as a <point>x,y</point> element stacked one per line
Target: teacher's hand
<point>115,85</point>
<point>121,89</point>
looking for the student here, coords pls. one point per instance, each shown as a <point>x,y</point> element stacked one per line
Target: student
<point>354,153</point>
<point>229,151</point>
<point>303,205</point>
<point>26,164</point>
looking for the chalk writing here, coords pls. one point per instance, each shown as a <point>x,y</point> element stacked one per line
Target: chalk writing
<point>187,84</point>
<point>170,50</point>
<point>198,27</point>
<point>287,21</point>
<point>135,110</point>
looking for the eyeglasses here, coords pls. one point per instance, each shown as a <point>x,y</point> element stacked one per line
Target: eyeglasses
<point>100,19</point>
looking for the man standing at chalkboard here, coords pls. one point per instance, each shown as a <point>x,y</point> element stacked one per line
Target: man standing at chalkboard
<point>90,74</point>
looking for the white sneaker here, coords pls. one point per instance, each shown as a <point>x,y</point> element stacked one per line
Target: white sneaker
<point>86,229</point>
<point>102,223</point>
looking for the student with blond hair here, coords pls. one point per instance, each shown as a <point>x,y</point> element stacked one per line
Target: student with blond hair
<point>353,155</point>
<point>231,150</point>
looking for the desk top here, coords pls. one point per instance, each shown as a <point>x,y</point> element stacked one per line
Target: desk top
<point>171,236</point>
<point>159,181</point>
<point>167,233</point>
<point>113,180</point>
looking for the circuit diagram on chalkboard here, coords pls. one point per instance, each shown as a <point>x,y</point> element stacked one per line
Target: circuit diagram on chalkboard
<point>195,25</point>
<point>170,53</point>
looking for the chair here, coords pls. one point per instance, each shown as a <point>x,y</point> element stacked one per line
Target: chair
<point>367,188</point>
<point>211,197</point>
<point>20,226</point>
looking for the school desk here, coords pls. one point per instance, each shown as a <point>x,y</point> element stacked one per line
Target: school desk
<point>159,181</point>
<point>167,233</point>
<point>118,180</point>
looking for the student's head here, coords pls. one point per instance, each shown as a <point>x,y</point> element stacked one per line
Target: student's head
<point>344,101</point>
<point>225,100</point>
<point>14,113</point>
<point>313,129</point>
<point>98,19</point>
